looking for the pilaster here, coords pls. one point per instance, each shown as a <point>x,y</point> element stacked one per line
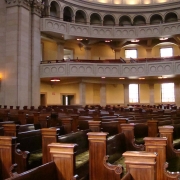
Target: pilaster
<point>126,94</point>
<point>151,94</point>
<point>82,93</point>
<point>60,50</point>
<point>103,95</point>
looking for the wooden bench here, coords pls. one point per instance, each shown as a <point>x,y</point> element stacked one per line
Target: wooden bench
<point>116,148</point>
<point>60,167</point>
<point>79,138</point>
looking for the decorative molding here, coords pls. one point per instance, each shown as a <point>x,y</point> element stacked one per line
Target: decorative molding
<point>112,32</point>
<point>109,69</point>
<point>36,5</point>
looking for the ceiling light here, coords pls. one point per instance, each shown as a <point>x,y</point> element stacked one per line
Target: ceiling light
<point>55,80</point>
<point>121,78</point>
<point>163,38</point>
<point>135,40</point>
<point>79,39</point>
<point>162,77</point>
<point>103,77</point>
<point>141,78</point>
<point>107,41</point>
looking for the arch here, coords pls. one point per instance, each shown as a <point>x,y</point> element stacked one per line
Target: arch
<point>139,20</point>
<point>108,20</point>
<point>156,19</point>
<point>80,17</point>
<point>171,17</point>
<point>68,14</point>
<point>95,19</point>
<point>125,21</point>
<point>54,9</point>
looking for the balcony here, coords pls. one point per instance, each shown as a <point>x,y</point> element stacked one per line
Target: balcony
<point>109,68</point>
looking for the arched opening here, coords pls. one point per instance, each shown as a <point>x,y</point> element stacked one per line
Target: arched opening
<point>109,20</point>
<point>95,19</point>
<point>171,17</point>
<point>156,19</point>
<point>54,9</point>
<point>139,21</point>
<point>67,14</point>
<point>80,17</point>
<point>125,21</point>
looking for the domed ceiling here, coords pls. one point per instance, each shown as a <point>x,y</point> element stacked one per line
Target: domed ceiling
<point>131,2</point>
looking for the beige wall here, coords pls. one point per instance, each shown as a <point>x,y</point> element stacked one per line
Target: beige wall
<point>140,49</point>
<point>156,49</point>
<point>54,92</point>
<point>49,50</point>
<point>102,50</point>
<point>144,93</point>
<point>115,94</point>
<point>157,93</point>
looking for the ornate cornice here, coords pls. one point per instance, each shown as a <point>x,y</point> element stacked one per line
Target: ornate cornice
<point>35,5</point>
<point>24,3</point>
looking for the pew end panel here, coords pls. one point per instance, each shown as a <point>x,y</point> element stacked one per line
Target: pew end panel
<point>141,165</point>
<point>64,157</point>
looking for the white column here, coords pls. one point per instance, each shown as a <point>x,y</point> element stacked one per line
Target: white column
<point>103,95</point>
<point>82,94</point>
<point>18,66</point>
<point>60,51</point>
<point>177,93</point>
<point>151,94</point>
<point>126,94</point>
<point>36,56</point>
<point>88,53</point>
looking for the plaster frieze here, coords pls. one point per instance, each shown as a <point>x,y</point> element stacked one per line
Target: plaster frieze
<point>80,69</point>
<point>111,32</point>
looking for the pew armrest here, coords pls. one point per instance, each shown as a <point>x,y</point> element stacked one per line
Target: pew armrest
<point>137,147</point>
<point>21,159</point>
<point>118,169</point>
<point>173,175</point>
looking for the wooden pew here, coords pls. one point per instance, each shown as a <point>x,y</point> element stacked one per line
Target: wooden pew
<point>115,147</point>
<point>80,138</point>
<point>60,167</point>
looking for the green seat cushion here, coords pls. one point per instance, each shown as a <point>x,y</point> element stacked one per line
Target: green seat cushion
<point>82,159</point>
<point>35,159</point>
<point>176,141</point>
<point>174,164</point>
<point>139,140</point>
<point>121,162</point>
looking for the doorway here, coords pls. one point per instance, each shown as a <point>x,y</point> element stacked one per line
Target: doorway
<point>43,99</point>
<point>68,100</point>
